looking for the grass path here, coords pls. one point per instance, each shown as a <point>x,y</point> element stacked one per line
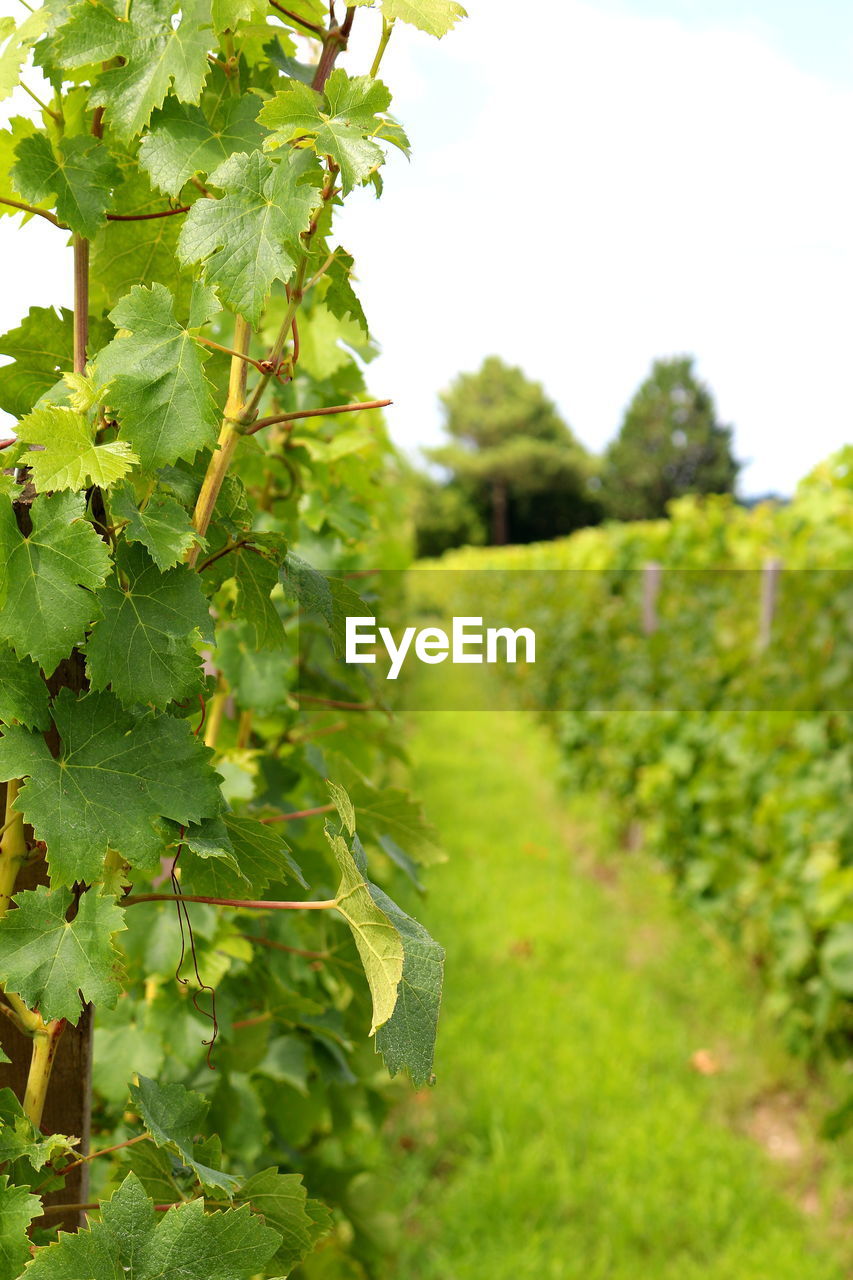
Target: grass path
<point>568,1137</point>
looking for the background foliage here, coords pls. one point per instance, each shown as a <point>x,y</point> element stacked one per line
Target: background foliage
<point>731,758</point>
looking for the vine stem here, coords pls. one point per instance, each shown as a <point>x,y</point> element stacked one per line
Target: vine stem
<point>335,42</point>
<point>105,1151</point>
<point>228,436</point>
<point>302,22</point>
<point>13,847</point>
<point>337,703</point>
<point>31,208</point>
<point>229,351</point>
<point>45,1044</point>
<point>298,414</point>
<point>145,217</point>
<point>387,28</point>
<point>81,302</point>
<point>299,813</point>
<point>325,904</point>
<point>53,114</point>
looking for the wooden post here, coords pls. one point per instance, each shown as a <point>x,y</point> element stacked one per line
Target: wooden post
<point>769,597</point>
<point>651,590</point>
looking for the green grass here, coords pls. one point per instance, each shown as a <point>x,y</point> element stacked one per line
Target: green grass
<point>568,1137</point>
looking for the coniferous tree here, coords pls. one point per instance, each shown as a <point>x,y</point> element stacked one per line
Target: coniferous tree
<point>670,443</point>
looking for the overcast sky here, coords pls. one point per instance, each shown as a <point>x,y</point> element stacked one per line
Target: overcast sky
<point>615,181</point>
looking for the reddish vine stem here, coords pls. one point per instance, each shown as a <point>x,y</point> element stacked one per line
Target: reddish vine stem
<point>322,732</point>
<point>334,702</point>
<point>325,904</point>
<point>300,813</point>
<point>104,1151</point>
<point>329,410</point>
<point>146,217</point>
<point>282,946</point>
<point>334,43</point>
<point>229,351</point>
<point>234,546</point>
<point>302,22</point>
<point>31,208</point>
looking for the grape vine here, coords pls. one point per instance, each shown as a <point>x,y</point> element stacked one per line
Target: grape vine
<point>188,437</point>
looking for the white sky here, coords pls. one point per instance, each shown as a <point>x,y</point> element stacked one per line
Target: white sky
<point>600,190</point>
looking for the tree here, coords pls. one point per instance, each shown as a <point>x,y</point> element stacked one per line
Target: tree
<point>514,457</point>
<point>444,517</point>
<point>670,443</point>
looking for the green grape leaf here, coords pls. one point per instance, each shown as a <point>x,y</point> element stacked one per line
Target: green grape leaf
<point>67,456</point>
<point>329,598</point>
<point>125,254</point>
<point>436,17</point>
<point>51,962</point>
<point>377,940</point>
<point>143,645</point>
<point>116,775</point>
<point>281,1199</point>
<point>261,854</point>
<point>342,123</point>
<point>23,693</point>
<point>183,142</point>
<point>17,1210</point>
<point>19,1138</point>
<point>50,575</point>
<point>340,297</point>
<point>254,575</point>
<point>206,840</point>
<point>249,237</point>
<point>391,811</point>
<point>157,56</point>
<point>19,127</point>
<point>80,173</point>
<point>42,346</point>
<point>162,526</point>
<point>154,1167</point>
<point>132,1242</point>
<point>173,1116</point>
<point>408,1037</point>
<point>17,44</point>
<point>158,389</point>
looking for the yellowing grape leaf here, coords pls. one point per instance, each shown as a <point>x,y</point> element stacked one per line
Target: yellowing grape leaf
<point>377,940</point>
<point>19,1138</point>
<point>67,456</point>
<point>436,17</point>
<point>343,122</point>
